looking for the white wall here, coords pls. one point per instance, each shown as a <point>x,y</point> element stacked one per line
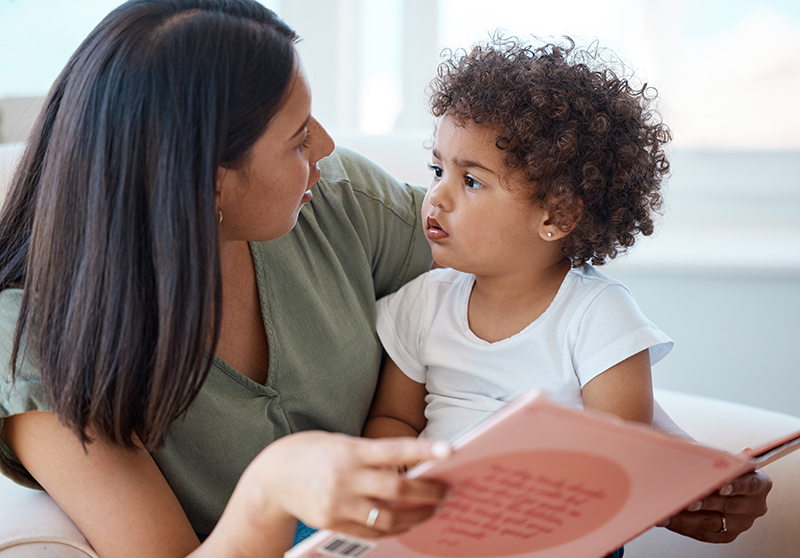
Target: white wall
<point>17,116</point>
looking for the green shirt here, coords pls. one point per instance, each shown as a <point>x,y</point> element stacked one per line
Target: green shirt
<point>357,240</point>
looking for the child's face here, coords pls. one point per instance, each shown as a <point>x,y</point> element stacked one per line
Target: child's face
<point>475,214</point>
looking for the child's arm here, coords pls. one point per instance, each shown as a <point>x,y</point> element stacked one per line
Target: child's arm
<point>399,405</point>
<point>625,390</point>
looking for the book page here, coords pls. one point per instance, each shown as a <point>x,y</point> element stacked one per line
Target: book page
<point>502,508</point>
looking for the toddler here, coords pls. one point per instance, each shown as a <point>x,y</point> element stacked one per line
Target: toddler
<point>545,164</point>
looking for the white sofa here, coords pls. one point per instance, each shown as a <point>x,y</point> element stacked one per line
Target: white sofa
<point>32,525</point>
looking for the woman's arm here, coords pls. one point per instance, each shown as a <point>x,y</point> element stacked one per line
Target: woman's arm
<point>624,390</point>
<point>118,498</point>
<point>398,408</point>
<point>125,508</point>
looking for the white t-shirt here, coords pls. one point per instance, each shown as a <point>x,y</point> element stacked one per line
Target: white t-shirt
<point>592,324</point>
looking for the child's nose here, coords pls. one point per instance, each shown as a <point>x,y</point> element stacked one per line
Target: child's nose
<point>437,194</point>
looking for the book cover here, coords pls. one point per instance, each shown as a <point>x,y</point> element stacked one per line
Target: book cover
<point>540,480</point>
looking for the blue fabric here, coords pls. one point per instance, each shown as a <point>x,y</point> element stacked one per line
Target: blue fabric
<point>303,531</point>
<point>617,553</point>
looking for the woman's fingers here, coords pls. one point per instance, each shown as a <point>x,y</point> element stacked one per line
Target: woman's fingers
<point>389,485</point>
<point>746,495</point>
<point>335,481</point>
<point>755,484</point>
<point>708,526</point>
<point>381,518</point>
<point>725,514</point>
<point>394,452</point>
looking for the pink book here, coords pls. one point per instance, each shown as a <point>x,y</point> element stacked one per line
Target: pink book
<point>540,480</point>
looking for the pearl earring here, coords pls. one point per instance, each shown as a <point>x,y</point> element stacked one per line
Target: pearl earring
<point>549,234</point>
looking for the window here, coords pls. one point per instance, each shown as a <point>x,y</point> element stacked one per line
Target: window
<point>728,71</point>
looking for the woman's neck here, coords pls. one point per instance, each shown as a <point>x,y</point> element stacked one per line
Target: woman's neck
<point>243,341</point>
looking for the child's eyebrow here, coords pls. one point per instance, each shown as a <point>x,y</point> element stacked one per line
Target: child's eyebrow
<point>465,163</point>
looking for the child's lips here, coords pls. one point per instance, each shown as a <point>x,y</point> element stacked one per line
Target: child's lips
<point>434,230</point>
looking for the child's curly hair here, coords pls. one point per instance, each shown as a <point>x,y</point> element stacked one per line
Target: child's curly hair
<point>589,142</point>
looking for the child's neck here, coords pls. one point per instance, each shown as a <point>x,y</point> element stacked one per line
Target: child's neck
<point>502,306</point>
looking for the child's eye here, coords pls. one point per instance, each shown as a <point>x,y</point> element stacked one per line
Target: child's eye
<point>437,170</point>
<point>471,183</point>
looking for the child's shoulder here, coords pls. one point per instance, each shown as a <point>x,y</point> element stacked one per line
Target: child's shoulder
<point>589,274</point>
<point>588,279</point>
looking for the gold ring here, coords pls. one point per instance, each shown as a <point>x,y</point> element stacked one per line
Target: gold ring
<point>724,528</point>
<point>373,517</point>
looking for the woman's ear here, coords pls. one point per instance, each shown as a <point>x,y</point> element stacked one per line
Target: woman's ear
<point>224,176</point>
<point>221,174</point>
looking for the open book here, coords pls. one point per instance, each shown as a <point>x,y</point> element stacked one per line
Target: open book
<point>538,480</point>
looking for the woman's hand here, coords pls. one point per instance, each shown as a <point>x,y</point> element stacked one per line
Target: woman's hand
<point>333,481</point>
<point>740,503</point>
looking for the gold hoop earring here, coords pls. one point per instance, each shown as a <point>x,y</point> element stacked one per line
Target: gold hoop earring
<point>220,216</point>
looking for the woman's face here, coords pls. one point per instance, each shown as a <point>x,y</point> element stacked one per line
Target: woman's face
<point>261,200</point>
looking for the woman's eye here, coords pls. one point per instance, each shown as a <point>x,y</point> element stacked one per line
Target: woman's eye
<point>471,183</point>
<point>306,142</point>
<point>437,171</point>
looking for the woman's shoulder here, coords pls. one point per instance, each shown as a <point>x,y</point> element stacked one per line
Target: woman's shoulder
<point>349,170</point>
<point>22,392</point>
<point>10,302</point>
<point>347,165</point>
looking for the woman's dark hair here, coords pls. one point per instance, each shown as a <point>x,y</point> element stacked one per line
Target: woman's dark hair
<point>109,226</point>
<point>588,141</point>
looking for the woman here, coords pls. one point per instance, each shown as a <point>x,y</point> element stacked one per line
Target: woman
<point>185,314</point>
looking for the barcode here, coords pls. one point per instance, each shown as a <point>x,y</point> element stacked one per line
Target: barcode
<point>350,548</point>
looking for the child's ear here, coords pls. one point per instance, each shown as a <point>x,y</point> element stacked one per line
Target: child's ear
<point>554,225</point>
<point>549,230</point>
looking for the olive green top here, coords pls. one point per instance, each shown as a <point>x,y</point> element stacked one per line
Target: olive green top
<point>357,240</point>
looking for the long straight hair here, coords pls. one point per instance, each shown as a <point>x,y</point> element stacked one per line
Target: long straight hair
<point>109,226</point>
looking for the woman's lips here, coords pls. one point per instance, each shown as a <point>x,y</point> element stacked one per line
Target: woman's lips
<point>434,231</point>
<point>313,178</point>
